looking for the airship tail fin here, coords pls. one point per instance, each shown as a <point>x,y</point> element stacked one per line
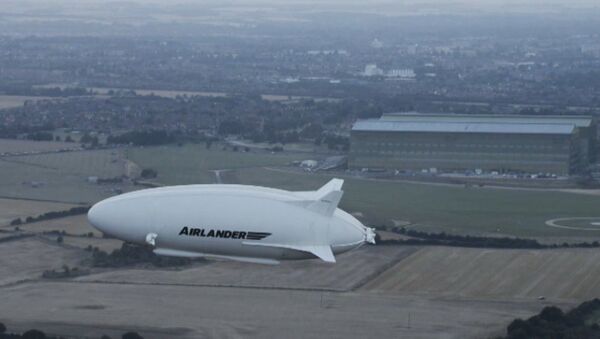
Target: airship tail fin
<point>324,200</point>
<point>326,204</point>
<point>334,184</point>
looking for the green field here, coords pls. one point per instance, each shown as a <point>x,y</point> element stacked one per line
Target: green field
<point>60,176</point>
<point>194,164</point>
<point>427,207</point>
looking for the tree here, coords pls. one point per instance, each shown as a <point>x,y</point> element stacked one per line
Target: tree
<point>132,335</point>
<point>34,334</point>
<point>2,328</point>
<point>149,173</point>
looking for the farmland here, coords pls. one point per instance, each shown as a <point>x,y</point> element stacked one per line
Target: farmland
<point>495,274</point>
<point>387,291</point>
<point>171,311</point>
<point>28,258</point>
<point>73,225</point>
<point>11,209</point>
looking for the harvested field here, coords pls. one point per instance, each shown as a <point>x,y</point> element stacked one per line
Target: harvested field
<point>351,270</point>
<point>106,245</point>
<point>73,225</point>
<point>207,312</point>
<point>12,146</point>
<point>567,274</point>
<point>29,258</point>
<point>11,209</point>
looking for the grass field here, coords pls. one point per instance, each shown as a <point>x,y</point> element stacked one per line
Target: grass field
<point>20,146</point>
<point>101,163</point>
<point>61,176</point>
<point>194,164</point>
<point>491,273</point>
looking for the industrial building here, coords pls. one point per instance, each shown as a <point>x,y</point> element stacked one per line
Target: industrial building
<point>560,145</point>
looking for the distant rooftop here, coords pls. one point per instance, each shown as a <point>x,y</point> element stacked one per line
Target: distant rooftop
<point>577,120</point>
<point>460,126</point>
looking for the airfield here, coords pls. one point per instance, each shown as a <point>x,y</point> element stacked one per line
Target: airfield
<point>376,291</point>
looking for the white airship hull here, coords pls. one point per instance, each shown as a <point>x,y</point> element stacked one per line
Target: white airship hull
<point>237,222</point>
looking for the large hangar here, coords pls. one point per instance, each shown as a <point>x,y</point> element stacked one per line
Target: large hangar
<point>560,145</point>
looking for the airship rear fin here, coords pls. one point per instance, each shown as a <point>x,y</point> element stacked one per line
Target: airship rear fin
<point>323,201</point>
<point>333,185</point>
<point>326,204</point>
<point>323,252</point>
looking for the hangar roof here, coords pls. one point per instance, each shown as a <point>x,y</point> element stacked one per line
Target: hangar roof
<point>577,120</point>
<point>381,125</point>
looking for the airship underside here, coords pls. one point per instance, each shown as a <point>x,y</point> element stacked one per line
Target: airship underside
<point>239,222</point>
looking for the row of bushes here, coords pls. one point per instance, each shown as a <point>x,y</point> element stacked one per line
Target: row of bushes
<point>52,215</point>
<point>425,238</point>
<point>37,334</point>
<point>552,322</point>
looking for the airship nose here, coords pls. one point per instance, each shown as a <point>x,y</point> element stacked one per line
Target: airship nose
<point>99,216</point>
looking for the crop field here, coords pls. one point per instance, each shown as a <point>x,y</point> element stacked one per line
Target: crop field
<point>29,258</point>
<point>90,309</point>
<point>194,164</point>
<point>23,146</point>
<point>61,176</point>
<point>351,270</point>
<point>104,244</point>
<point>495,274</point>
<point>11,209</point>
<point>73,225</point>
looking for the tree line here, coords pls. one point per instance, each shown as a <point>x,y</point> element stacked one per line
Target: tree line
<point>51,215</point>
<point>580,322</point>
<point>445,239</point>
<point>37,334</point>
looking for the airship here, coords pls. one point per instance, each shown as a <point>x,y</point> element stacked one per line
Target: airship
<point>237,222</point>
